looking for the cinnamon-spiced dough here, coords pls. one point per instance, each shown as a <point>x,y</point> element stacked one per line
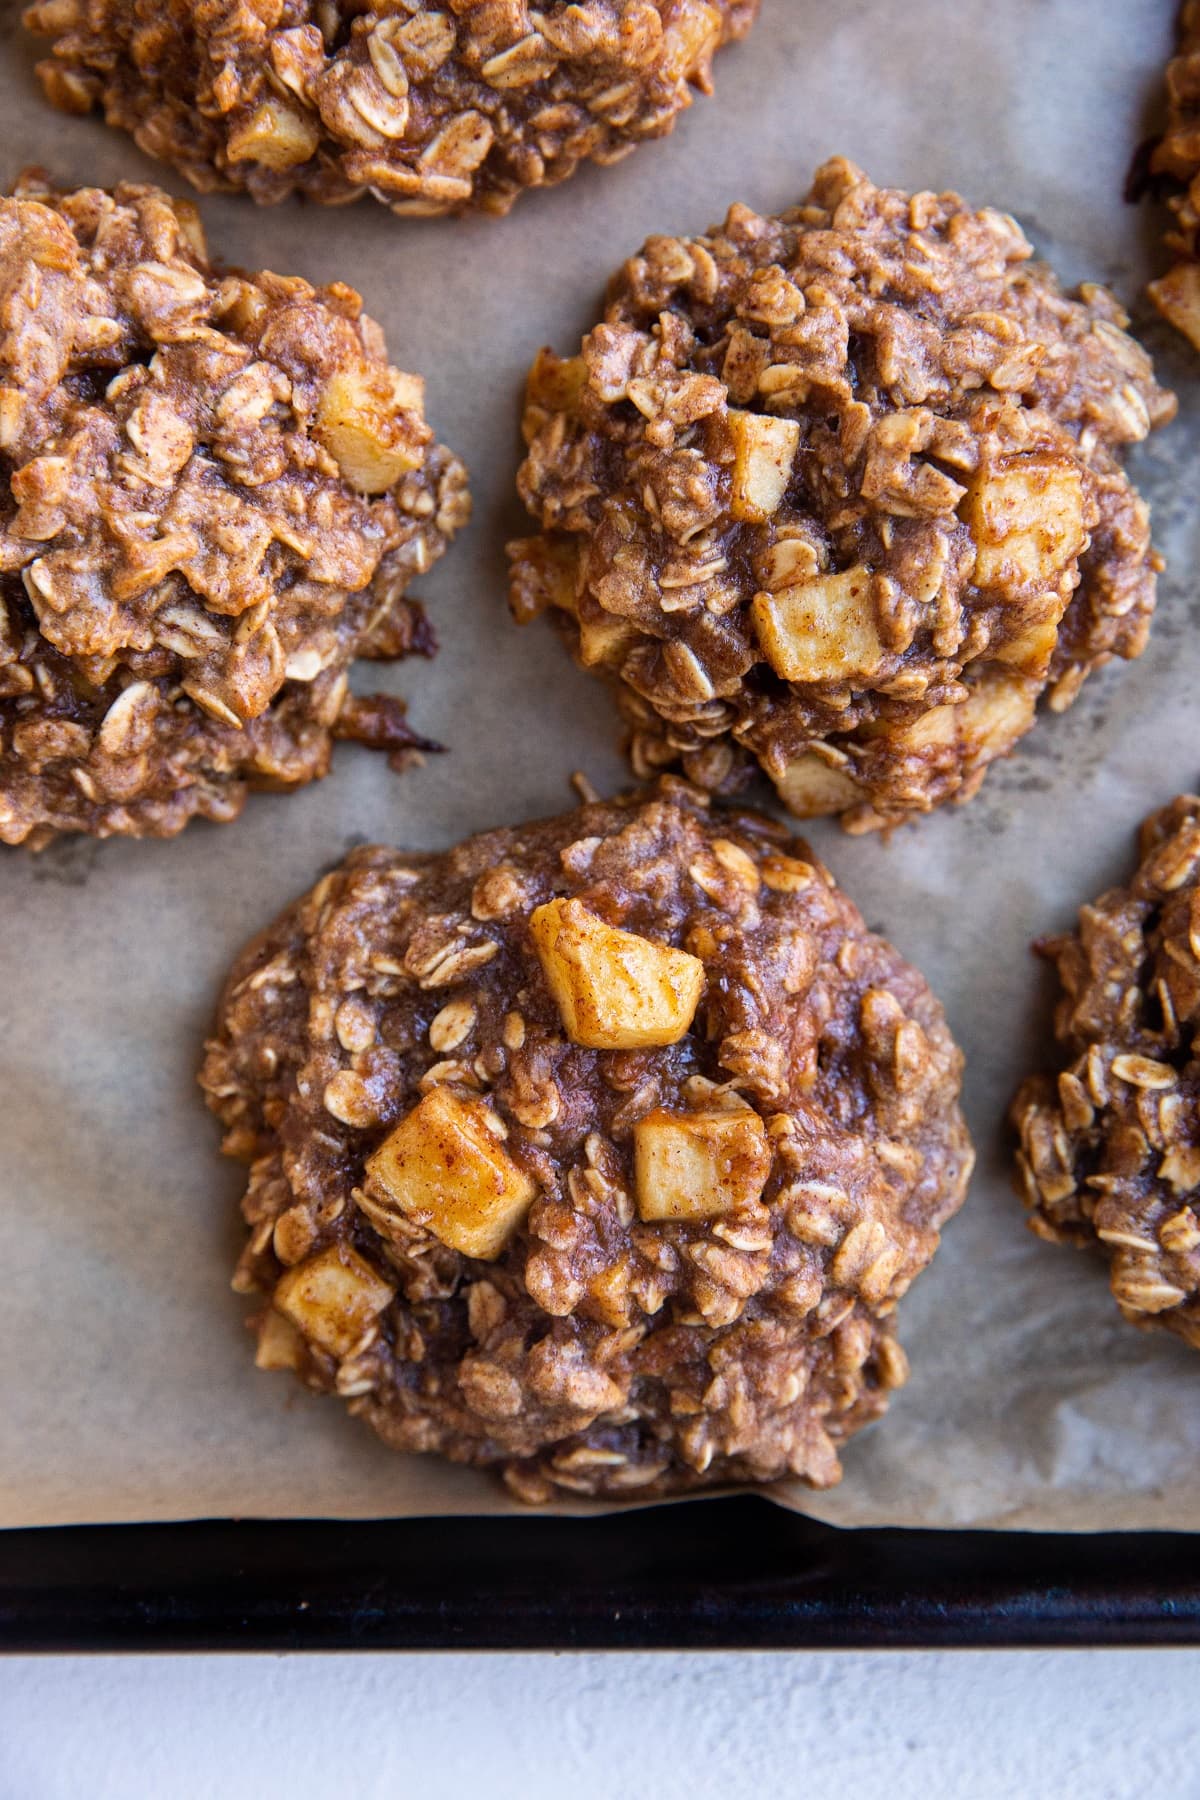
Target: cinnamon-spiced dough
<point>600,1148</point>
<point>1110,1144</point>
<point>432,108</point>
<point>839,494</point>
<point>215,491</point>
<point>1173,169</point>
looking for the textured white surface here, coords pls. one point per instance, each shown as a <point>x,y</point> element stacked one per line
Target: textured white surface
<point>1108,1726</point>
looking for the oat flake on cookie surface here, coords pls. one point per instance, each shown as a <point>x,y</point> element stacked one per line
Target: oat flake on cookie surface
<point>599,1149</point>
<point>1110,1145</point>
<point>1174,167</point>
<point>432,108</point>
<point>838,494</point>
<point>215,491</point>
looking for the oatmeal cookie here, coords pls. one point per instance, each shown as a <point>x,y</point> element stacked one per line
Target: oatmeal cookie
<point>1173,168</point>
<point>433,109</point>
<point>1110,1146</point>
<point>216,491</point>
<point>838,494</point>
<point>601,1148</point>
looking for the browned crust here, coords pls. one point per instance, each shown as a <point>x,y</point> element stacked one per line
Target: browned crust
<point>186,569</point>
<point>446,111</point>
<point>601,1354</point>
<point>919,359</point>
<point>1110,1145</point>
<point>1174,165</point>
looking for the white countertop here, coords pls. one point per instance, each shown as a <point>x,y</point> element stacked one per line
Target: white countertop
<point>1021,1726</point>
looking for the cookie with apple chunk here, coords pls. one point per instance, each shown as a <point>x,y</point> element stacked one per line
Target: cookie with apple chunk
<point>599,1149</point>
<point>838,494</point>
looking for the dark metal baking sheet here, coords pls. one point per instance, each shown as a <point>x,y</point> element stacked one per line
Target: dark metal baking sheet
<point>721,1574</point>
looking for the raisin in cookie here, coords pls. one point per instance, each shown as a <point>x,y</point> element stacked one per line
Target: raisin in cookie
<point>600,1149</point>
<point>838,494</point>
<point>1110,1145</point>
<point>215,492</point>
<point>433,109</point>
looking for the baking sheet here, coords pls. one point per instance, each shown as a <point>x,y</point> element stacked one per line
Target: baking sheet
<point>127,1388</point>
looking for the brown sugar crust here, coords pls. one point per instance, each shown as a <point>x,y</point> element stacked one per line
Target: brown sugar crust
<point>433,109</point>
<point>216,491</point>
<point>1174,166</point>
<point>838,493</point>
<point>1110,1146</point>
<point>612,1345</point>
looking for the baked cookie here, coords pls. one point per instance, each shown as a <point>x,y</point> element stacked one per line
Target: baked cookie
<point>1173,169</point>
<point>1110,1146</point>
<point>837,494</point>
<point>216,490</point>
<point>600,1148</point>
<point>432,108</point>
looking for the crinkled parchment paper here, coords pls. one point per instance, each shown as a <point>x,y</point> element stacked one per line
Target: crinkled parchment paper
<point>127,1388</point>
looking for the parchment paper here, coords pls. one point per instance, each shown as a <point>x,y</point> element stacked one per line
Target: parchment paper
<point>127,1389</point>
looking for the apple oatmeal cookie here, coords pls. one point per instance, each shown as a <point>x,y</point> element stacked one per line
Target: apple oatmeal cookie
<point>1110,1145</point>
<point>600,1148</point>
<point>216,491</point>
<point>432,109</point>
<point>1173,169</point>
<point>838,494</point>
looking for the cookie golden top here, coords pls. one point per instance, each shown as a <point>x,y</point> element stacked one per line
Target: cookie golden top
<point>218,490</point>
<point>433,109</point>
<point>601,1148</point>
<point>839,492</point>
<point>1110,1146</point>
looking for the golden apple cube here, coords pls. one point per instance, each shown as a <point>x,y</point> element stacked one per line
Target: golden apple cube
<point>689,41</point>
<point>822,629</point>
<point>603,638</point>
<point>810,788</point>
<point>1026,519</point>
<point>279,1344</point>
<point>1177,297</point>
<point>698,1165</point>
<point>276,136</point>
<point>332,1298</point>
<point>998,710</point>
<point>548,575</point>
<point>1033,651</point>
<point>764,449</point>
<point>445,1167</point>
<point>614,990</point>
<point>365,425</point>
<point>556,382</point>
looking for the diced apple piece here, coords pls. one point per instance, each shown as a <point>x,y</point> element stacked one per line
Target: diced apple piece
<point>1026,519</point>
<point>1177,297</point>
<point>276,136</point>
<point>810,788</point>
<point>545,572</point>
<point>999,710</point>
<point>445,1167</point>
<point>280,1345</point>
<point>613,989</point>
<point>764,451</point>
<point>689,42</point>
<point>332,1298</point>
<point>556,382</point>
<point>1032,651</point>
<point>820,630</point>
<point>698,1165</point>
<point>603,637</point>
<point>366,423</point>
